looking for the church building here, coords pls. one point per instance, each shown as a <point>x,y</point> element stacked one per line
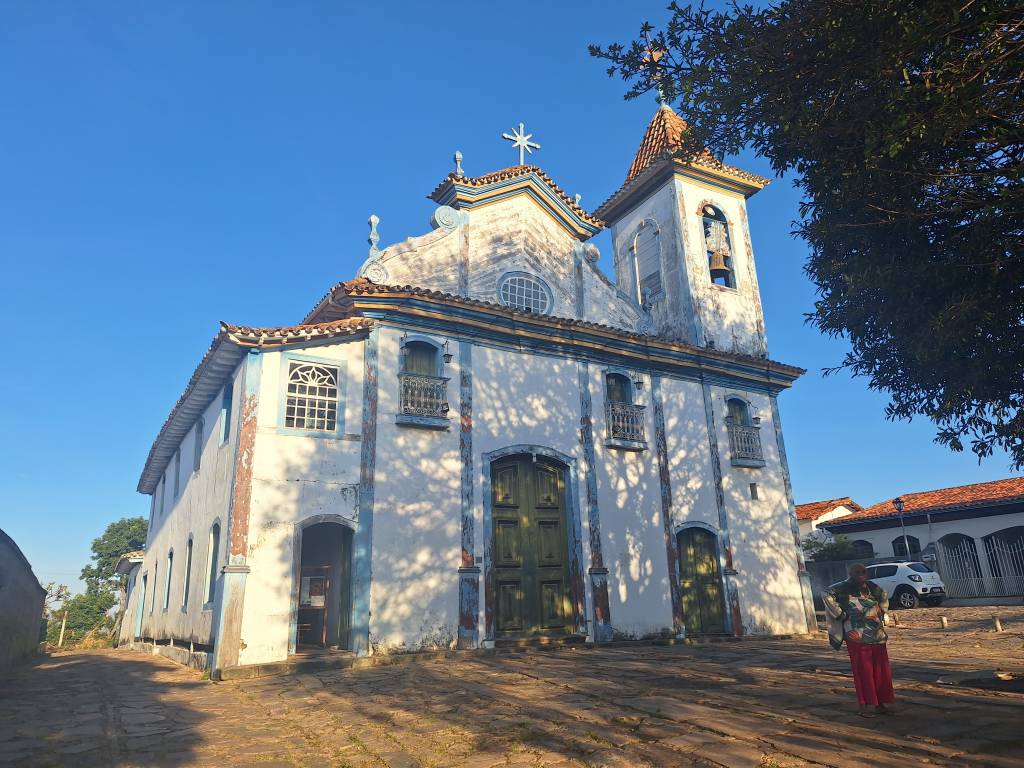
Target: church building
<point>481,438</point>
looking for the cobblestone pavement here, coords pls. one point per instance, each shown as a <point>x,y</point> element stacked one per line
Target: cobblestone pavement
<point>752,703</point>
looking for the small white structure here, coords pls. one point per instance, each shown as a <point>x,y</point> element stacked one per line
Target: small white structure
<point>482,438</point>
<point>811,515</point>
<point>973,534</point>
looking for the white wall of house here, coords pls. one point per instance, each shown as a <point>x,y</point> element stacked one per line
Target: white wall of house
<point>977,528</point>
<point>295,477</point>
<point>202,500</point>
<point>807,527</point>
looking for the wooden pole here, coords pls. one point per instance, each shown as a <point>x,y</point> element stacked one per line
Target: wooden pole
<point>63,622</point>
<point>997,624</point>
<point>945,622</point>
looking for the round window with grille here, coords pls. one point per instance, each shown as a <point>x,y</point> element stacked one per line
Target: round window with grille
<point>524,292</point>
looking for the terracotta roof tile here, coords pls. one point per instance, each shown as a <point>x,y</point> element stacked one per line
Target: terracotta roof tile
<point>664,136</point>
<point>975,495</point>
<point>815,509</point>
<point>662,143</point>
<point>272,337</point>
<point>511,173</point>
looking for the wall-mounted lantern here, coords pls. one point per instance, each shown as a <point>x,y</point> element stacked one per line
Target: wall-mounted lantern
<point>638,382</point>
<point>447,353</point>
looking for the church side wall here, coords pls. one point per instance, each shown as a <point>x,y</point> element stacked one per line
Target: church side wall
<point>417,523</point>
<point>295,477</point>
<point>763,547</point>
<point>632,523</point>
<point>202,500</point>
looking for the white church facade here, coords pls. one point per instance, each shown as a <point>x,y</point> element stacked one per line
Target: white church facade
<point>483,439</point>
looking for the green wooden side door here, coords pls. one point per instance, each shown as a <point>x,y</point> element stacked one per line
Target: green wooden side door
<point>529,548</point>
<point>700,581</point>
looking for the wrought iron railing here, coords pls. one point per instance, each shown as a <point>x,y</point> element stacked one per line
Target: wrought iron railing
<point>424,395</point>
<point>625,421</point>
<point>745,442</point>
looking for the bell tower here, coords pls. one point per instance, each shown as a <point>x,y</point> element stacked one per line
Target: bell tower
<point>681,242</point>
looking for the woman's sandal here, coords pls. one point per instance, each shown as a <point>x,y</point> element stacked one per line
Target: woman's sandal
<point>866,713</point>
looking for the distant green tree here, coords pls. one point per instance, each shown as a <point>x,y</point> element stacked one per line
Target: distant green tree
<point>903,121</point>
<point>56,596</point>
<point>840,548</point>
<point>124,535</point>
<point>86,611</point>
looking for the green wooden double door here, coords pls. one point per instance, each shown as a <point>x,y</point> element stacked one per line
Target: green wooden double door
<point>700,581</point>
<point>529,549</point>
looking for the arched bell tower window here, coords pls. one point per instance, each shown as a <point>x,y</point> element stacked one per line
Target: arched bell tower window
<point>647,253</point>
<point>718,247</point>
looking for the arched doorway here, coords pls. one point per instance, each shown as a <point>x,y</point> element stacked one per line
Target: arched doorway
<point>530,548</point>
<point>700,581</point>
<point>324,607</point>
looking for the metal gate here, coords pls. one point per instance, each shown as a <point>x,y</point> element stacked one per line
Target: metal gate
<point>959,567</point>
<point>1006,560</point>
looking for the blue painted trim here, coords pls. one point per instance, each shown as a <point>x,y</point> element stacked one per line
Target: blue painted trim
<point>625,445</point>
<point>686,365</point>
<point>140,607</point>
<point>227,410</point>
<point>538,190</point>
<point>573,524</point>
<point>251,376</point>
<point>469,573</point>
<point>748,463</point>
<point>282,394</point>
<point>362,543</point>
<point>425,422</point>
<point>602,631</point>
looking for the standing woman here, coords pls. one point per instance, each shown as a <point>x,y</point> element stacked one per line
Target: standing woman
<point>856,608</point>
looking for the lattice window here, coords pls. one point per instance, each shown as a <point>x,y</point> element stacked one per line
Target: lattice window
<point>312,397</point>
<point>525,293</point>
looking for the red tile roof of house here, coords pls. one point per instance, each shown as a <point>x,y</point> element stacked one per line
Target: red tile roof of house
<point>815,509</point>
<point>958,497</point>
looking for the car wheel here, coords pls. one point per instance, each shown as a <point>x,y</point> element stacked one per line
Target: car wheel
<point>906,598</point>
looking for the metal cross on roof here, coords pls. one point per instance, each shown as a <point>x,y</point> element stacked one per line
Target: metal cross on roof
<point>521,139</point>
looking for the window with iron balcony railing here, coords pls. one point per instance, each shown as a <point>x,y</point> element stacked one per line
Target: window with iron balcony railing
<point>423,393</point>
<point>624,420</point>
<point>744,436</point>
<point>425,396</point>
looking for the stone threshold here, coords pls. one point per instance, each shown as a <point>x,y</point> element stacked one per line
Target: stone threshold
<point>298,665</point>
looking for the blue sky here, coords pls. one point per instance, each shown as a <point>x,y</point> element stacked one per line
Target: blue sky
<point>166,166</point>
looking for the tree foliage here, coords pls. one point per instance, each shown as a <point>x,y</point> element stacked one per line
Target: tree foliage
<point>903,123</point>
<point>839,548</point>
<point>86,611</point>
<point>124,535</point>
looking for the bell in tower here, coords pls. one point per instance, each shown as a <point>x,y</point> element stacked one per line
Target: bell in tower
<point>719,266</point>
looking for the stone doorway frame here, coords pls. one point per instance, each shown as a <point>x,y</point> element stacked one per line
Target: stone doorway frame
<point>293,608</point>
<point>574,532</point>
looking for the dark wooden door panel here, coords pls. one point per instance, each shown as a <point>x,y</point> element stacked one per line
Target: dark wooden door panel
<point>700,581</point>
<point>529,548</point>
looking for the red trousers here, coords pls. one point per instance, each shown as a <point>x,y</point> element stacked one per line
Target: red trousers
<point>872,675</point>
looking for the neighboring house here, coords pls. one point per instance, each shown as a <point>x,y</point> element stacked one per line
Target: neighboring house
<point>974,534</point>
<point>811,515</point>
<point>21,605</point>
<point>482,438</point>
<point>128,565</point>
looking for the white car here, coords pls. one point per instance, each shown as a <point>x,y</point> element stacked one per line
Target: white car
<point>908,584</point>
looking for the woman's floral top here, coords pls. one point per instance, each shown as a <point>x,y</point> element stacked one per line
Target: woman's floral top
<point>859,615</point>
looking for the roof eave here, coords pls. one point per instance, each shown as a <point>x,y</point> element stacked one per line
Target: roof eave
<point>630,194</point>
